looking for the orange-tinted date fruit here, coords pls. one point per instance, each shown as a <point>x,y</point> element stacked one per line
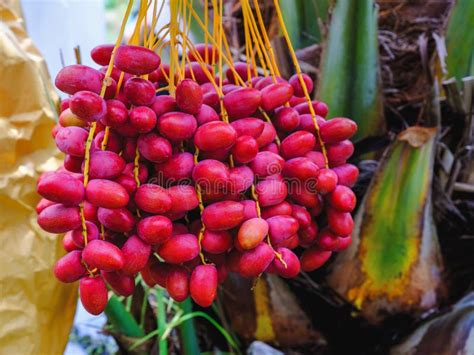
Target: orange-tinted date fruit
<point>252,232</point>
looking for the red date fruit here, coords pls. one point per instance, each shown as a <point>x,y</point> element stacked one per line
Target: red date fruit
<point>68,242</point>
<point>105,165</point>
<point>135,255</point>
<point>317,158</point>
<point>118,220</point>
<point>164,104</point>
<point>271,192</point>
<point>275,95</point>
<point>268,135</point>
<point>242,102</point>
<point>207,53</point>
<point>72,140</point>
<point>216,242</point>
<point>106,193</point>
<point>142,119</point>
<point>340,223</point>
<point>250,209</point>
<point>123,285</point>
<point>308,236</point>
<point>298,88</point>
<point>287,119</point>
<point>177,126</point>
<point>183,198</point>
<point>92,233</point>
<point>347,174</point>
<point>245,149</point>
<point>68,119</point>
<point>153,198</point>
<point>203,285</point>
<point>313,258</point>
<point>93,294</point>
<point>62,188</point>
<point>223,215</point>
<point>77,77</point>
<point>327,240</point>
<point>154,148</point>
<point>320,108</point>
<point>240,179</point>
<point>155,229</point>
<point>300,169</point>
<point>116,115</point>
<point>253,262</point>
<point>136,60</point>
<point>139,92</point>
<point>70,268</point>
<point>337,130</point>
<point>302,215</point>
<point>343,243</point>
<point>189,96</point>
<point>297,144</point>
<point>215,135</point>
<point>211,174</point>
<point>59,218</point>
<point>103,255</point>
<point>267,163</point>
<point>342,199</point>
<point>281,228</point>
<point>42,204</point>
<point>177,283</point>
<point>101,54</point>
<point>283,208</point>
<point>206,114</point>
<point>293,265</point>
<point>158,270</point>
<point>248,127</point>
<point>179,249</point>
<point>179,167</point>
<point>326,181</point>
<point>338,153</point>
<point>88,106</point>
<point>114,142</point>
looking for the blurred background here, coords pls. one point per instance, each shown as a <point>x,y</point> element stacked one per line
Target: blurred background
<point>403,70</point>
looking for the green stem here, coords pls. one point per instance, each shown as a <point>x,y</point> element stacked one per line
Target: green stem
<point>188,331</point>
<point>121,320</point>
<point>162,342</point>
<point>143,308</point>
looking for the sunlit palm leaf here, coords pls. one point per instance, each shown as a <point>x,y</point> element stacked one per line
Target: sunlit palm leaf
<point>394,263</point>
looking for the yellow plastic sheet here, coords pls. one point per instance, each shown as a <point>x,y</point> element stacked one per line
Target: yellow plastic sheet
<point>36,311</point>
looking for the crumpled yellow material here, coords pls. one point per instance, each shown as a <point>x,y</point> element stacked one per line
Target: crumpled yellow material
<point>36,311</point>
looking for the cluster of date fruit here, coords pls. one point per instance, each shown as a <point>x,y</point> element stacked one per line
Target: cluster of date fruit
<point>177,190</point>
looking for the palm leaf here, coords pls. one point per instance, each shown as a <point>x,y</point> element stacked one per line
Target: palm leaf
<point>350,82</point>
<point>460,40</point>
<point>394,263</point>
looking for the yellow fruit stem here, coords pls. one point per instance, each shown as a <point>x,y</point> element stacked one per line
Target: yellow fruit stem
<point>300,78</point>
